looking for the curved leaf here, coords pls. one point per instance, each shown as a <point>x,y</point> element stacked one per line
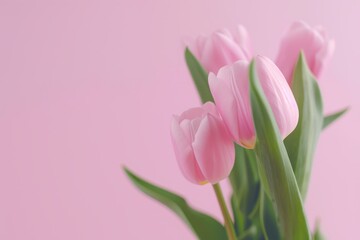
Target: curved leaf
<point>268,218</point>
<point>204,226</point>
<point>275,166</point>
<point>301,143</point>
<point>245,183</point>
<point>329,119</point>
<point>199,76</point>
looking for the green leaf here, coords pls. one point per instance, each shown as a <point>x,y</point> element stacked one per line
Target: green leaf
<point>333,117</point>
<point>317,233</point>
<point>245,183</point>
<point>268,218</point>
<point>250,234</point>
<point>239,217</point>
<point>204,226</point>
<point>301,143</point>
<point>275,166</point>
<point>199,76</point>
<point>244,178</point>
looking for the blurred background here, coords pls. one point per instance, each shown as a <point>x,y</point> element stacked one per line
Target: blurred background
<point>89,86</point>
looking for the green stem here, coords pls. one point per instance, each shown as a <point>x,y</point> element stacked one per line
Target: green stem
<point>229,226</point>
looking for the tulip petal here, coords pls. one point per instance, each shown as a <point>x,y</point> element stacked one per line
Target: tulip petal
<point>190,127</point>
<point>192,113</point>
<point>210,107</point>
<point>226,104</point>
<point>197,45</point>
<point>322,58</point>
<point>220,50</point>
<point>314,43</point>
<point>278,94</point>
<point>231,93</point>
<point>184,154</point>
<point>214,149</point>
<point>229,48</point>
<point>242,38</point>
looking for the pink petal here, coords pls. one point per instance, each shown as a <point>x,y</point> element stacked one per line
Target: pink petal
<point>323,57</point>
<point>226,104</point>
<point>185,155</point>
<point>278,94</point>
<point>214,150</point>
<point>219,51</point>
<point>312,41</point>
<point>196,112</point>
<point>210,107</point>
<point>237,115</point>
<point>242,38</point>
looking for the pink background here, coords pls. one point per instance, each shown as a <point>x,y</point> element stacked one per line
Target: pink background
<point>89,86</point>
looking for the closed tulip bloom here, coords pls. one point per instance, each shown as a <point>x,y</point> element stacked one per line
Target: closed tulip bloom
<point>317,47</point>
<point>222,48</point>
<point>230,89</point>
<point>203,147</point>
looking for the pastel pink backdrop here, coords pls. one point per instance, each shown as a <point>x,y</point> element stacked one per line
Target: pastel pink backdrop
<point>89,86</point>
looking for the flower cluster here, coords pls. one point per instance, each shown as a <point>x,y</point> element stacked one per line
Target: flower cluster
<point>258,126</point>
<point>203,136</point>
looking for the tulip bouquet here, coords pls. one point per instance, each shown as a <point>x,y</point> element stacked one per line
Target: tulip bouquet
<point>258,128</point>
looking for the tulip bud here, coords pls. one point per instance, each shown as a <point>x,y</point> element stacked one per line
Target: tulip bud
<point>317,47</point>
<point>222,48</point>
<point>230,89</point>
<point>203,148</point>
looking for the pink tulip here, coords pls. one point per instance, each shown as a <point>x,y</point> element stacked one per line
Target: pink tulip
<point>222,48</point>
<point>230,89</point>
<point>315,44</point>
<point>203,148</point>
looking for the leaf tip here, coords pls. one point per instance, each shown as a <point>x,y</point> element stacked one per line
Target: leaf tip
<point>252,73</point>
<point>346,109</point>
<point>302,58</point>
<point>327,120</point>
<point>188,54</point>
<point>128,172</point>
